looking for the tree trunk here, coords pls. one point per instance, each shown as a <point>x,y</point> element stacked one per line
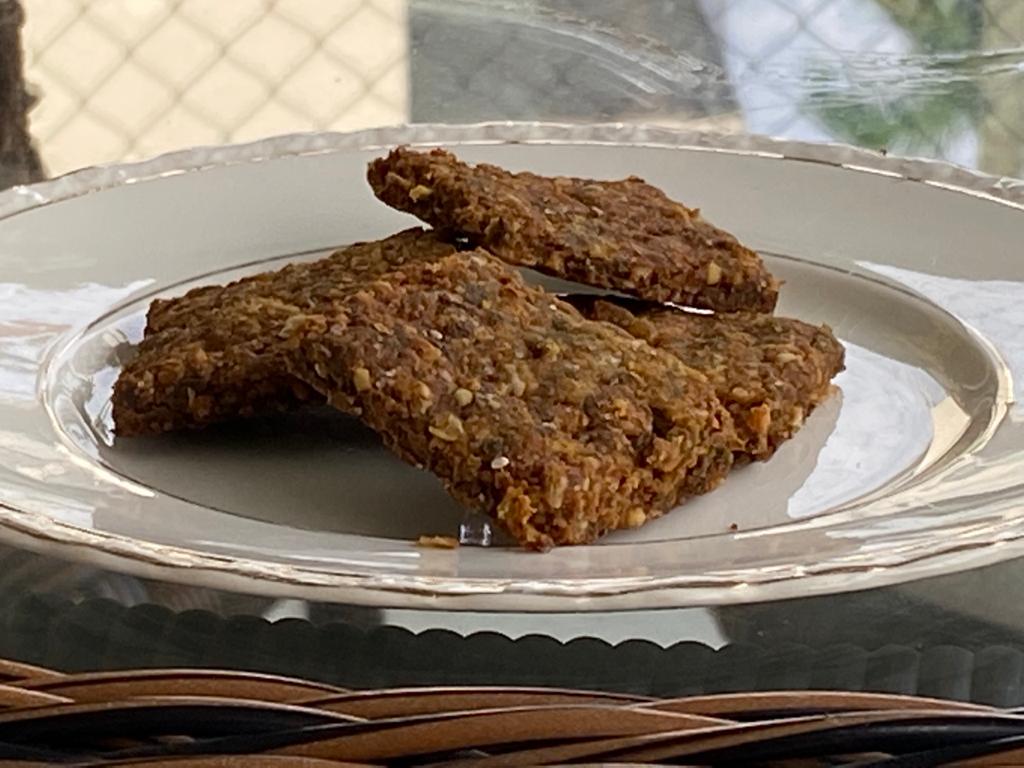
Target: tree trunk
<point>19,163</point>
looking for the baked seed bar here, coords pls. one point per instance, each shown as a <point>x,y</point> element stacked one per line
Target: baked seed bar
<point>558,427</point>
<point>215,352</point>
<point>627,236</point>
<point>770,372</point>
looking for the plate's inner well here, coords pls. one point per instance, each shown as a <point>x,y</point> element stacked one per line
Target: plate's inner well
<point>909,402</point>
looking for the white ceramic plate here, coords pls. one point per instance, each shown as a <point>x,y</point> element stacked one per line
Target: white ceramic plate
<point>914,470</point>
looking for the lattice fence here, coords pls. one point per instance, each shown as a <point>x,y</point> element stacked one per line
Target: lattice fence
<point>940,78</point>
<point>126,78</point>
<point>119,79</point>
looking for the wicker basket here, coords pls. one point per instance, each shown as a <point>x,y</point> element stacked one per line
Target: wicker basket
<point>178,717</point>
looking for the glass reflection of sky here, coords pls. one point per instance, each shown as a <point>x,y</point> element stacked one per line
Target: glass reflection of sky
<point>30,320</point>
<point>885,425</point>
<point>995,308</point>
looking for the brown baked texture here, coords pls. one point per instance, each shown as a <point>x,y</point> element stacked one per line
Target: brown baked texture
<point>560,428</point>
<point>770,372</point>
<point>626,236</point>
<point>216,352</point>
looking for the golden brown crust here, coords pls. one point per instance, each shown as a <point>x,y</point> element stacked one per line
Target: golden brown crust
<point>770,372</point>
<point>559,427</point>
<point>622,235</point>
<point>215,352</point>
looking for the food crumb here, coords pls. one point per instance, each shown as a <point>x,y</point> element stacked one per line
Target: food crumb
<point>437,542</point>
<point>733,527</point>
<point>361,379</point>
<point>635,518</point>
<point>714,276</point>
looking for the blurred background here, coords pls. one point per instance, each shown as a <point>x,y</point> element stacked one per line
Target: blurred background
<point>123,79</point>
